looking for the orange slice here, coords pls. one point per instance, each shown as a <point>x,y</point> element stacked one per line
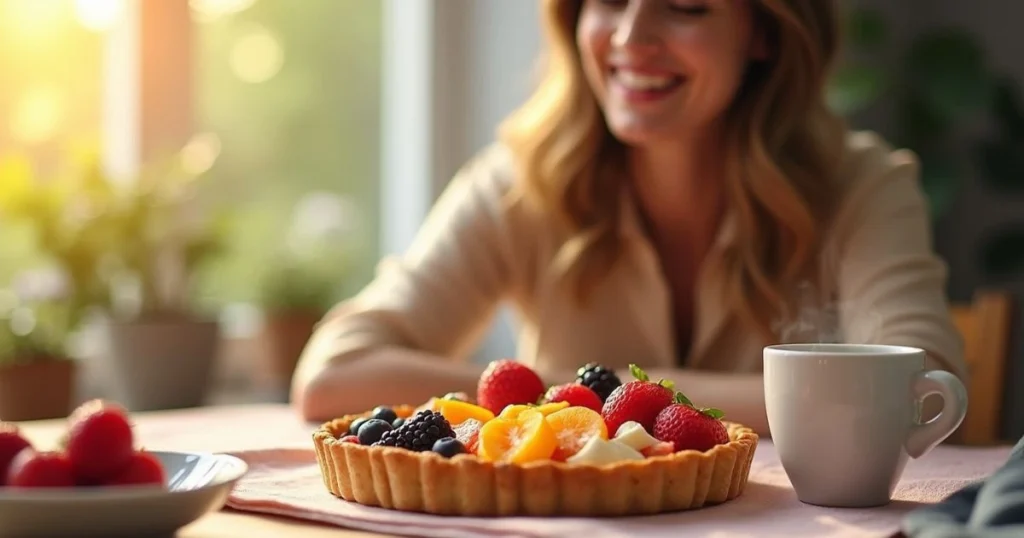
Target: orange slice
<point>527,437</point>
<point>457,412</point>
<point>573,427</point>
<point>512,411</point>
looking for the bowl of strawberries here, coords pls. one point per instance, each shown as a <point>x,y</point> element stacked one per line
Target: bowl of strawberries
<point>99,482</point>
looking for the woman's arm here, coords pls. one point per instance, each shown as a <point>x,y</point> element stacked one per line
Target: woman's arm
<point>398,340</point>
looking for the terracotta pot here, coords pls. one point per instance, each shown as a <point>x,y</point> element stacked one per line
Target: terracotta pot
<point>162,363</point>
<point>37,389</point>
<point>283,338</point>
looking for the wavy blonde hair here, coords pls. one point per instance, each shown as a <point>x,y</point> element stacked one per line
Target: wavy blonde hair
<point>782,146</point>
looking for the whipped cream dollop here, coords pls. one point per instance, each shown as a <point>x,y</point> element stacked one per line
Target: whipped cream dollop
<point>598,451</point>
<point>633,435</point>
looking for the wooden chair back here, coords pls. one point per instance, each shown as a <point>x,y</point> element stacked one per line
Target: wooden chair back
<point>985,324</point>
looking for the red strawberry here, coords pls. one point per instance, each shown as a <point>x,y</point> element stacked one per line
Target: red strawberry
<point>658,449</point>
<point>640,401</point>
<point>100,443</point>
<point>142,469</point>
<point>576,395</point>
<point>689,428</point>
<point>11,443</point>
<point>350,439</point>
<point>32,469</point>
<point>507,382</point>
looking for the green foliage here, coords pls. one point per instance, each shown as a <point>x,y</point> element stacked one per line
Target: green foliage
<point>296,287</point>
<point>943,83</point>
<point>33,330</point>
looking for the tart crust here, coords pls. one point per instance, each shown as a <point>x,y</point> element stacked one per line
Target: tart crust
<point>401,479</point>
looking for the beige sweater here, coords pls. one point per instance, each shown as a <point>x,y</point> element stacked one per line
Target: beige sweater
<point>475,251</point>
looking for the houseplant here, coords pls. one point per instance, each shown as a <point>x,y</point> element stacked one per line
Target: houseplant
<point>294,296</point>
<point>38,378</point>
<point>162,346</point>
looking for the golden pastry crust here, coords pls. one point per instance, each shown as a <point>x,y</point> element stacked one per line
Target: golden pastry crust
<point>465,485</point>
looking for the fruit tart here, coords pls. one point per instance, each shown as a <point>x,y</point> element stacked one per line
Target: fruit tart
<point>596,447</point>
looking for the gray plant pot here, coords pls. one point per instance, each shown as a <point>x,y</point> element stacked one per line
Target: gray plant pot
<point>161,363</point>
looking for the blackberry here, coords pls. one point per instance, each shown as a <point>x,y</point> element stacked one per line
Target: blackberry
<point>599,379</point>
<point>419,433</point>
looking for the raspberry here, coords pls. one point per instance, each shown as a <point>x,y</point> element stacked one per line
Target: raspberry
<point>419,433</point>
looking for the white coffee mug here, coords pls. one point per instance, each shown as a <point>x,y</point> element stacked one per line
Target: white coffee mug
<point>844,418</point>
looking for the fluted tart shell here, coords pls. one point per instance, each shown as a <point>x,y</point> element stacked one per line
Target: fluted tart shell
<point>465,485</point>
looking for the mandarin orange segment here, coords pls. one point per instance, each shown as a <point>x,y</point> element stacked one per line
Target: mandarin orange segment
<point>573,427</point>
<point>512,411</point>
<point>456,412</point>
<point>527,437</point>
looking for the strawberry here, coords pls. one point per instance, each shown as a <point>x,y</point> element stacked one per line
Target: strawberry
<point>11,443</point>
<point>99,441</point>
<point>143,469</point>
<point>507,382</point>
<point>32,469</point>
<point>640,401</point>
<point>350,439</point>
<point>690,428</point>
<point>577,396</point>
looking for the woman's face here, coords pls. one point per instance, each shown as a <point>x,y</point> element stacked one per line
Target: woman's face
<point>665,69</point>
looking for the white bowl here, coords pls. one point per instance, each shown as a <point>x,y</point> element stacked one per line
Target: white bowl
<point>197,484</point>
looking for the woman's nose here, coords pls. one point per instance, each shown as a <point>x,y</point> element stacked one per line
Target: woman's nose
<point>637,28</point>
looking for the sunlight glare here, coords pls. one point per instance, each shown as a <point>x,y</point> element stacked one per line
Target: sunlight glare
<point>37,115</point>
<point>211,10</point>
<point>99,15</point>
<point>256,56</point>
<point>32,19</point>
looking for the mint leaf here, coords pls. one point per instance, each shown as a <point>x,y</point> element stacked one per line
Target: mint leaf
<point>713,413</point>
<point>682,399</point>
<point>638,373</point>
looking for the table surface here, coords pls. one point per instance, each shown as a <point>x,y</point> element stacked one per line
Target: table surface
<point>222,429</point>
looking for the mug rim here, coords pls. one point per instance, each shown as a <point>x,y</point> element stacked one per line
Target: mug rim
<point>842,350</point>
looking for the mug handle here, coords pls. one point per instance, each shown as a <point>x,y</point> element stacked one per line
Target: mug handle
<point>924,437</point>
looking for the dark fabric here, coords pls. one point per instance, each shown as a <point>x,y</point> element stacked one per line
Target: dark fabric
<point>992,508</point>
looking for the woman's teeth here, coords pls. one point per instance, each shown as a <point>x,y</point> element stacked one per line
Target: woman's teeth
<point>642,82</point>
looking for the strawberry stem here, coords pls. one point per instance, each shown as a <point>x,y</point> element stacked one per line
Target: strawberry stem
<point>712,412</point>
<point>638,373</point>
<point>682,399</point>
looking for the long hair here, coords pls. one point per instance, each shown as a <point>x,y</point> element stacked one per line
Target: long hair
<point>782,146</point>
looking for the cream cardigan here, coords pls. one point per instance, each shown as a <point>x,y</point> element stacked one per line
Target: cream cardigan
<point>476,249</point>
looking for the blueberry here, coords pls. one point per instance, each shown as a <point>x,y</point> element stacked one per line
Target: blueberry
<point>398,423</point>
<point>449,447</point>
<point>353,428</point>
<point>384,413</point>
<point>372,430</point>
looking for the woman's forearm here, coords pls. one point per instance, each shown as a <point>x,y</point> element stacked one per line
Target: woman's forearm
<point>388,376</point>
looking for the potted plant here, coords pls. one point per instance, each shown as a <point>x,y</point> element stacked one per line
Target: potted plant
<point>38,378</point>
<point>295,295</point>
<point>162,347</point>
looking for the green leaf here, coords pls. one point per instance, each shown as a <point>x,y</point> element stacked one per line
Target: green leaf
<point>1002,161</point>
<point>853,88</point>
<point>638,373</point>
<point>948,68</point>
<point>1003,253</point>
<point>1007,110</point>
<point>940,180</point>
<point>682,399</point>
<point>866,29</point>
<point>668,384</point>
<point>713,413</point>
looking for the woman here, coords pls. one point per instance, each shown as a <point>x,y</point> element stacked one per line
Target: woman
<point>675,194</point>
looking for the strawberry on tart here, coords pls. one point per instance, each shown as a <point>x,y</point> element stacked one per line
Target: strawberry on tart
<point>595,447</point>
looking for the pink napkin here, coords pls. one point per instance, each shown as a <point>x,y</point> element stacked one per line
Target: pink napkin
<point>286,482</point>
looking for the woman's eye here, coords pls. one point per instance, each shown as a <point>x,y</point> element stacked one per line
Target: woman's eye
<point>689,8</point>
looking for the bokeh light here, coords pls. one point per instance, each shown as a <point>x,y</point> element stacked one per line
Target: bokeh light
<point>256,56</point>
<point>37,115</point>
<point>211,10</point>
<point>198,156</point>
<point>99,15</point>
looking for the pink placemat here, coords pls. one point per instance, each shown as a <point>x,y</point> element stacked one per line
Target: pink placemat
<point>286,482</point>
